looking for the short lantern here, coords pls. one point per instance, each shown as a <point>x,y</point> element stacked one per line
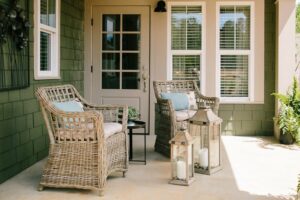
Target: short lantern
<point>182,150</point>
<point>205,127</point>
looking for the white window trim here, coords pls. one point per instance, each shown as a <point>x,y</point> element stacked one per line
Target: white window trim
<point>55,44</point>
<point>202,52</point>
<point>251,53</point>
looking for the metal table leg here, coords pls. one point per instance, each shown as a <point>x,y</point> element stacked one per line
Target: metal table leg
<point>130,144</point>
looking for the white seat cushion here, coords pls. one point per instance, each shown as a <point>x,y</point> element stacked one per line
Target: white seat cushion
<point>111,128</point>
<point>182,115</point>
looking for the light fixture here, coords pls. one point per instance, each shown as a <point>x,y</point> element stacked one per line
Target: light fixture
<point>161,6</point>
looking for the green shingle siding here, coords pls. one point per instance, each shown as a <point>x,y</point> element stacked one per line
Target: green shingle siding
<point>23,137</point>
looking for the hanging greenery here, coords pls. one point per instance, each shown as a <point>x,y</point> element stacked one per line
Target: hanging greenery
<point>14,50</point>
<point>14,24</point>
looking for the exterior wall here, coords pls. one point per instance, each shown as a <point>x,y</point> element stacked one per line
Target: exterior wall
<point>23,137</point>
<point>256,119</point>
<point>239,119</point>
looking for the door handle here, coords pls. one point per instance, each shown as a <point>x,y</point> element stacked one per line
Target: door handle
<point>144,78</point>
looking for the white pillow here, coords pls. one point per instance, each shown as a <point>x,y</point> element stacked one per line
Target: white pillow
<point>192,100</point>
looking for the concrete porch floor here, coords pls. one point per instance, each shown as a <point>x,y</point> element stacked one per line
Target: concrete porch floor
<point>253,168</point>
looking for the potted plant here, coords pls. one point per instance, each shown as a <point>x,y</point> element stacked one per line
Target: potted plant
<point>289,114</point>
<point>133,113</point>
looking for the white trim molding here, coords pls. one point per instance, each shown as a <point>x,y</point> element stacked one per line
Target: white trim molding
<point>201,53</point>
<point>54,33</point>
<point>251,52</point>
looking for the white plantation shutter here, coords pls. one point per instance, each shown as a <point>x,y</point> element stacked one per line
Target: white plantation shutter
<point>234,75</point>
<point>235,50</point>
<point>45,51</point>
<point>185,67</point>
<point>186,41</point>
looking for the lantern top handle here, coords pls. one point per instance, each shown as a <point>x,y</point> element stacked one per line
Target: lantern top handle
<point>182,138</point>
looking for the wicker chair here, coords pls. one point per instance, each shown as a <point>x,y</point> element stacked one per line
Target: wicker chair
<point>167,121</point>
<point>82,154</point>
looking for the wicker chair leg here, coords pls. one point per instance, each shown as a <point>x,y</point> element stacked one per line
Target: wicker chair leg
<point>124,174</point>
<point>40,188</point>
<point>101,192</point>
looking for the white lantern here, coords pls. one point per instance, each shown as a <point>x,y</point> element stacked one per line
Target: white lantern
<point>205,127</point>
<point>182,162</point>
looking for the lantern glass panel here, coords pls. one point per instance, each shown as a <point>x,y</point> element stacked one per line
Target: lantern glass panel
<point>179,162</point>
<point>214,144</point>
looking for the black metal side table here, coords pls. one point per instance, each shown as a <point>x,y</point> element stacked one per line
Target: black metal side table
<point>135,124</point>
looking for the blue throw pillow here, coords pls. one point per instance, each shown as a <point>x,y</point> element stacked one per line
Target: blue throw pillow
<point>69,106</point>
<point>180,101</point>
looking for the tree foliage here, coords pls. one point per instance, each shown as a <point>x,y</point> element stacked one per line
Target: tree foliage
<point>298,19</point>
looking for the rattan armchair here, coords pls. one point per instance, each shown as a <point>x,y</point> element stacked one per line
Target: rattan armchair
<point>167,121</point>
<point>81,154</point>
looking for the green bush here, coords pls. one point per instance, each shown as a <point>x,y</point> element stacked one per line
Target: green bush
<point>289,115</point>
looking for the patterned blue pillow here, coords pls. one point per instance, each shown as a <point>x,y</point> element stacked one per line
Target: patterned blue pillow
<point>180,101</point>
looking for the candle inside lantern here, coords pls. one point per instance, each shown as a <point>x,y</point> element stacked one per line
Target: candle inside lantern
<point>203,158</point>
<point>181,169</point>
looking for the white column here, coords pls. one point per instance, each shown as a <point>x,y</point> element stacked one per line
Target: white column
<point>285,48</point>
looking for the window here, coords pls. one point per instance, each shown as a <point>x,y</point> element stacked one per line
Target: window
<point>46,38</point>
<point>186,44</point>
<point>235,51</point>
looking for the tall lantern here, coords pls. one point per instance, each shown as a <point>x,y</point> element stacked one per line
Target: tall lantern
<point>205,126</point>
<point>182,150</point>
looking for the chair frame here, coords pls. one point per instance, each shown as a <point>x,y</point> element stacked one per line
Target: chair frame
<point>165,118</point>
<point>81,157</point>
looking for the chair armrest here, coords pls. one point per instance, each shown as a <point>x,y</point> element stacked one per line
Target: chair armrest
<point>77,127</point>
<point>111,113</point>
<point>166,108</point>
<point>213,102</point>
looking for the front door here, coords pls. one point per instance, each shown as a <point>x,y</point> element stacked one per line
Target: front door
<point>121,56</point>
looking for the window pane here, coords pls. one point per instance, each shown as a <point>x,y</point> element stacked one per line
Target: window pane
<point>45,51</point>
<point>48,12</point>
<point>234,75</point>
<point>110,80</point>
<point>111,23</point>
<point>194,27</point>
<point>243,27</point>
<point>186,67</point>
<point>235,27</point>
<point>131,42</point>
<point>131,23</point>
<point>111,42</point>
<point>130,80</point>
<point>186,28</point>
<point>227,20</point>
<point>110,61</point>
<point>178,29</point>
<point>131,61</point>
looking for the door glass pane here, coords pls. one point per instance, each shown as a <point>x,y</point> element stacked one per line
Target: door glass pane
<point>130,80</point>
<point>111,23</point>
<point>131,41</point>
<point>110,80</point>
<point>130,61</point>
<point>131,23</point>
<point>48,12</point>
<point>45,51</point>
<point>110,61</point>
<point>111,42</point>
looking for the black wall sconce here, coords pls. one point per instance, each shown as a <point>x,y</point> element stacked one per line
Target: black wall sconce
<point>161,6</point>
